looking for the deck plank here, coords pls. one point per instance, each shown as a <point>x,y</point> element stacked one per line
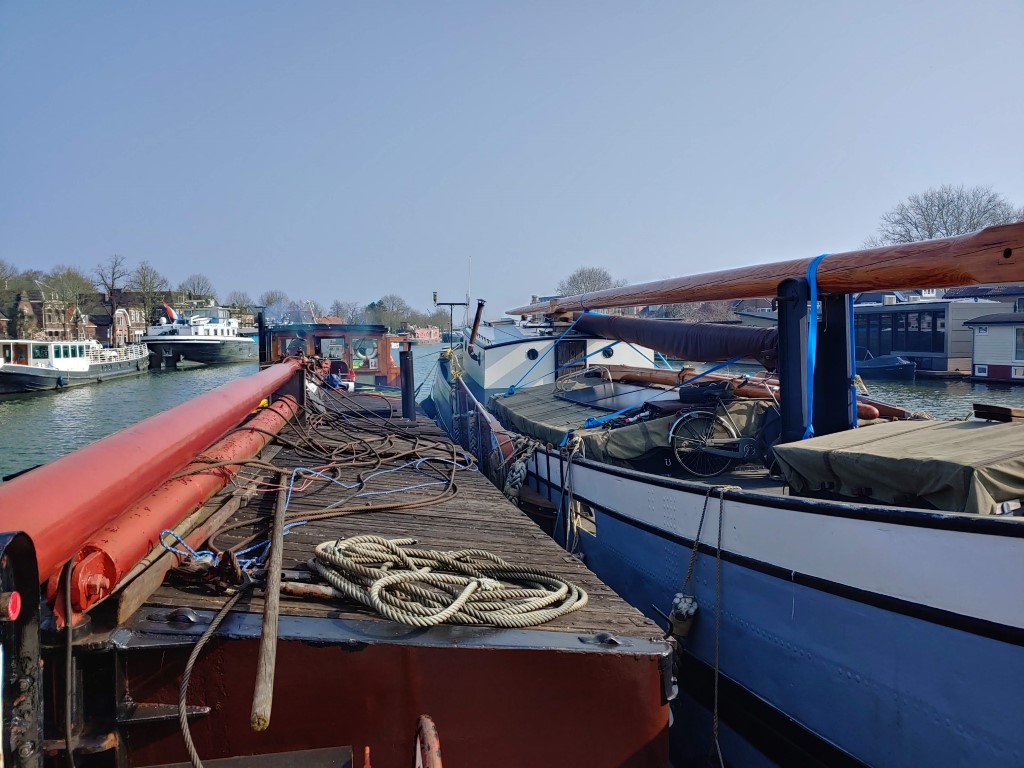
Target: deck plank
<point>477,517</point>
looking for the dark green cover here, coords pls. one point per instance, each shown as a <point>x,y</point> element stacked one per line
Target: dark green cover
<point>955,466</point>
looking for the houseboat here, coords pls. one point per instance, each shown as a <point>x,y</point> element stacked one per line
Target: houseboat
<point>31,365</point>
<point>998,347</point>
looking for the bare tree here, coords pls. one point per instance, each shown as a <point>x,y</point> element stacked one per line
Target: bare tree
<point>7,272</point>
<point>350,312</point>
<point>944,212</point>
<point>240,300</point>
<point>61,291</point>
<point>389,310</point>
<point>587,280</point>
<point>110,276</point>
<point>198,286</point>
<point>150,285</point>
<point>274,303</point>
<point>699,312</point>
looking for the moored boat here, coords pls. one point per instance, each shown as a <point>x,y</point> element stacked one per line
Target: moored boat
<point>884,366</point>
<point>841,597</point>
<point>207,335</point>
<point>31,365</point>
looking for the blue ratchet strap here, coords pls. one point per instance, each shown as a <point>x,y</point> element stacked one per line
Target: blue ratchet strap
<point>853,361</point>
<point>812,340</point>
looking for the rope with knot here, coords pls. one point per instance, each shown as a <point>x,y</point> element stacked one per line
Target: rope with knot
<point>523,450</point>
<point>424,588</point>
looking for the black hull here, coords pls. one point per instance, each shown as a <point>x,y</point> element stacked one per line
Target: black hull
<point>219,352</point>
<point>47,379</point>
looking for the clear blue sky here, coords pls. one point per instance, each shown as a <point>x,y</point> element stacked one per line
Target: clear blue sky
<point>344,150</point>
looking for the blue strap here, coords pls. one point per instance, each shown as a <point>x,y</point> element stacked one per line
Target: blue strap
<point>853,361</point>
<point>592,422</point>
<point>812,341</point>
<point>512,389</point>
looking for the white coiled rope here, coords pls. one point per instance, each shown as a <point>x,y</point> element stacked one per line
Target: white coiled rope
<point>424,588</point>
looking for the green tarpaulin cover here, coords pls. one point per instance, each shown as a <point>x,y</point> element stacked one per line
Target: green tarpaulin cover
<point>954,466</point>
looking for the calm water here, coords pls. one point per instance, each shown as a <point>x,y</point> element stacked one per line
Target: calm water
<point>39,427</point>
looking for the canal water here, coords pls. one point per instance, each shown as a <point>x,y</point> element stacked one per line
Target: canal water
<point>36,428</point>
<point>39,427</point>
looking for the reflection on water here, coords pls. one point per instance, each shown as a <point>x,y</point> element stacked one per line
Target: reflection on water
<point>36,428</point>
<point>946,399</point>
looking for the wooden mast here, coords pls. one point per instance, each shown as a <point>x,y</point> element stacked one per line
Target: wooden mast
<point>991,255</point>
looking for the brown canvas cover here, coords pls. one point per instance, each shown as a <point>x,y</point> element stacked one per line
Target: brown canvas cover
<point>954,466</point>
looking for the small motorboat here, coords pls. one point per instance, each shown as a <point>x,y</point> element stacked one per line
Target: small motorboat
<point>884,366</point>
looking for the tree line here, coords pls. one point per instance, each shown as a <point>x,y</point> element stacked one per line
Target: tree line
<point>71,290</point>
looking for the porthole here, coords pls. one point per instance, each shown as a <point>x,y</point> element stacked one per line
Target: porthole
<point>606,353</point>
<point>531,354</point>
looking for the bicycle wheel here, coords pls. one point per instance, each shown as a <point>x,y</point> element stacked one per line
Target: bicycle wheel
<point>688,438</point>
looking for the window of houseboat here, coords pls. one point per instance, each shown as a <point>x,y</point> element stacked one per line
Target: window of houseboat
<point>1018,352</point>
<point>40,352</point>
<point>8,357</point>
<point>56,350</point>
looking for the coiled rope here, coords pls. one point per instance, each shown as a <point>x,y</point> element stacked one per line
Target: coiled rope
<point>424,588</point>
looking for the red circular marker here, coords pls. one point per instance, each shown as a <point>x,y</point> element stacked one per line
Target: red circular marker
<point>10,604</point>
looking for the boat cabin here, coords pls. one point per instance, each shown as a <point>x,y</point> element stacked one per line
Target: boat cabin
<point>65,355</point>
<point>355,352</point>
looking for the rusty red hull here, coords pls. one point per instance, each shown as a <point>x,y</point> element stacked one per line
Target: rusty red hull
<point>501,708</point>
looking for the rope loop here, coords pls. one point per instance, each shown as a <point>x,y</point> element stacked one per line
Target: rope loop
<point>424,588</point>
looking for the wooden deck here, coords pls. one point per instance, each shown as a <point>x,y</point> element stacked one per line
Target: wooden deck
<point>478,516</point>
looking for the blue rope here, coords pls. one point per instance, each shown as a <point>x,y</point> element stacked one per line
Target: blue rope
<point>812,341</point>
<point>188,551</point>
<point>512,389</point>
<point>665,361</point>
<point>592,422</point>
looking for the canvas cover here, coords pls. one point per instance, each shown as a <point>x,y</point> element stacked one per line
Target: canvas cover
<point>687,341</point>
<point>538,413</point>
<point>954,466</point>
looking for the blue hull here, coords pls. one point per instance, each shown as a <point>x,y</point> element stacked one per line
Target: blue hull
<point>872,684</point>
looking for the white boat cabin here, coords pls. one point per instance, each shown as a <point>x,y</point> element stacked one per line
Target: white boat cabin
<point>61,355</point>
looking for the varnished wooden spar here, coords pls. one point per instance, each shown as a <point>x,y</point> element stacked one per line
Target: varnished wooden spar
<point>992,255</point>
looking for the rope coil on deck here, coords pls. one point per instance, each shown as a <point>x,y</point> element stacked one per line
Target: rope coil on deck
<point>424,588</point>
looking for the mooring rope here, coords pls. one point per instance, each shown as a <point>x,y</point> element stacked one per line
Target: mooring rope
<point>424,588</point>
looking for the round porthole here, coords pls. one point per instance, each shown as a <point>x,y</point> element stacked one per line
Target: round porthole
<point>531,354</point>
<point>606,353</point>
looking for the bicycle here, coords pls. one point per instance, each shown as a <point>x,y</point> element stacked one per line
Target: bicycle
<point>707,443</point>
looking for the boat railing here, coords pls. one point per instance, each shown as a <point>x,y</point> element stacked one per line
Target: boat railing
<point>115,354</point>
<point>476,430</point>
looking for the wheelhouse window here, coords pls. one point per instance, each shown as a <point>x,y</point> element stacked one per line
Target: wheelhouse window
<point>57,350</point>
<point>40,352</point>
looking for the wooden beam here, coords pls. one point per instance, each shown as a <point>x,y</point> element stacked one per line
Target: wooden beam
<point>992,255</point>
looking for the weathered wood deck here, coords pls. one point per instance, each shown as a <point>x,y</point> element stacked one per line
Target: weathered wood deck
<point>478,516</point>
